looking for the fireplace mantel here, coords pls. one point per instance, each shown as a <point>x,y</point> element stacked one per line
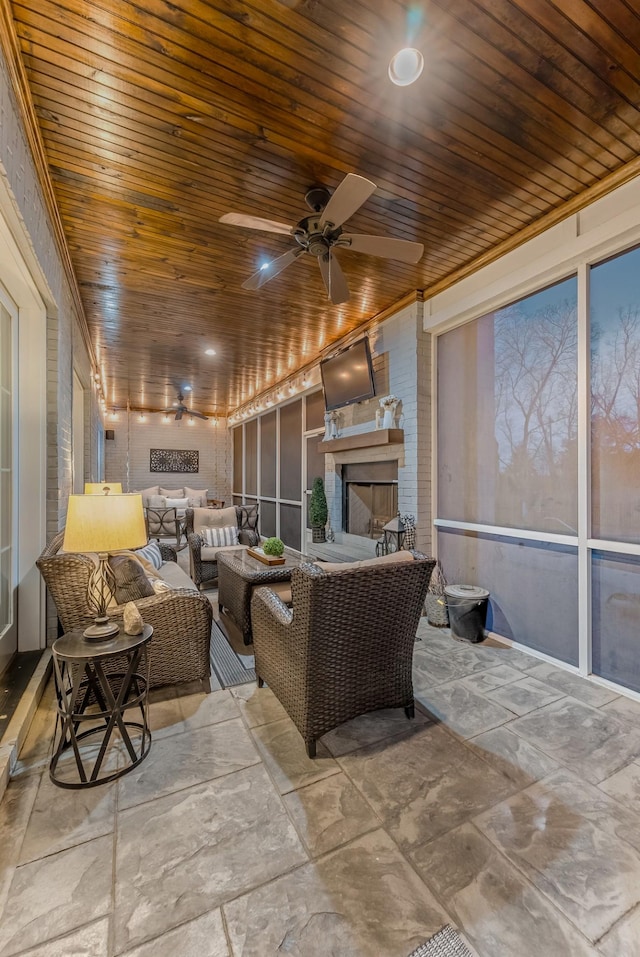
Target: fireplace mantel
<point>363,440</point>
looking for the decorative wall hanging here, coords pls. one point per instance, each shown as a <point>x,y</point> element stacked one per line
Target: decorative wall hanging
<point>174,460</point>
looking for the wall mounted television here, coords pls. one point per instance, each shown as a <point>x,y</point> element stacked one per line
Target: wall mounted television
<point>347,377</point>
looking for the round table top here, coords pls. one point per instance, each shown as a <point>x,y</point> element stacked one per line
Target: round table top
<point>73,644</point>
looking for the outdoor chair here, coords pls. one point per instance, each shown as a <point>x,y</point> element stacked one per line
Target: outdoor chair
<point>345,647</point>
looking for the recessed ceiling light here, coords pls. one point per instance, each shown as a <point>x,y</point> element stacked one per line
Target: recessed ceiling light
<point>209,352</point>
<point>406,66</point>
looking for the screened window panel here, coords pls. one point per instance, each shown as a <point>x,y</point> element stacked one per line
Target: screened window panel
<point>267,518</point>
<point>507,415</point>
<point>251,453</point>
<point>315,410</point>
<point>315,460</point>
<point>268,454</point>
<point>533,587</point>
<point>616,618</point>
<point>290,519</point>
<point>291,451</point>
<point>615,397</point>
<point>237,459</point>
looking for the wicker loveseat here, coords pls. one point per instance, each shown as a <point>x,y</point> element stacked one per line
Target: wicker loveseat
<point>345,647</point>
<point>203,557</point>
<point>181,618</point>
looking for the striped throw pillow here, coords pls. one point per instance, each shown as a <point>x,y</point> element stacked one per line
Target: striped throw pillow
<point>226,535</point>
<point>152,553</point>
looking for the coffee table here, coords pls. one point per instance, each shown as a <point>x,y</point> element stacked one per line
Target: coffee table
<point>239,574</point>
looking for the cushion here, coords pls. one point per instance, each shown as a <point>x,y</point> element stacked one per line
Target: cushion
<point>209,553</point>
<point>157,501</point>
<point>177,502</point>
<point>176,577</point>
<point>392,559</point>
<point>198,496</point>
<point>214,518</point>
<point>131,580</point>
<point>227,535</point>
<point>151,553</point>
<point>147,493</point>
<point>172,492</point>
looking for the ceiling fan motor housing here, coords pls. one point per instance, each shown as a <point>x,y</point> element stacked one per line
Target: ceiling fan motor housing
<point>314,237</point>
<point>317,198</point>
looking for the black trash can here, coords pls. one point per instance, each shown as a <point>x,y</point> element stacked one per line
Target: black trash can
<point>467,607</point>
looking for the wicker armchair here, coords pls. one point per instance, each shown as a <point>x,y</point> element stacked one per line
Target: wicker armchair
<point>181,618</point>
<point>203,564</point>
<point>346,645</point>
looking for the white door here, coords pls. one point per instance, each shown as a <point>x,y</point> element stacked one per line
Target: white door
<point>8,590</point>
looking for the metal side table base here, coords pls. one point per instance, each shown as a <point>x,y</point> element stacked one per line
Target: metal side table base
<point>90,696</point>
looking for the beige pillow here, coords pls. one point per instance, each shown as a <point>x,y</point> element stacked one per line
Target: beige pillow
<point>147,493</point>
<point>172,492</point>
<point>157,501</point>
<point>392,559</point>
<point>198,495</point>
<point>214,517</point>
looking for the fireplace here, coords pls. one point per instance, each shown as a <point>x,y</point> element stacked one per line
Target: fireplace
<point>369,497</point>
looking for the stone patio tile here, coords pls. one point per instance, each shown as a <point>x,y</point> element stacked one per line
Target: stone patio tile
<point>591,741</point>
<point>576,845</point>
<point>574,685</point>
<point>524,695</point>
<point>462,710</point>
<point>512,756</point>
<point>181,761</point>
<point>57,894</point>
<point>283,752</point>
<point>624,785</point>
<point>425,785</point>
<point>62,818</point>
<point>202,937</point>
<point>503,915</point>
<point>329,813</point>
<point>625,708</point>
<point>258,705</point>
<point>623,938</point>
<point>371,727</point>
<point>363,899</point>
<point>15,811</point>
<point>493,678</point>
<point>182,855</point>
<point>89,941</point>
<point>200,710</point>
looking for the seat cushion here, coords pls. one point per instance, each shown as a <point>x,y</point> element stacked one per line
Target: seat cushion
<point>391,559</point>
<point>173,575</point>
<point>209,553</point>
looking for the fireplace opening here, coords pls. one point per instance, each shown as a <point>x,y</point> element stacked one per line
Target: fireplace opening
<point>370,497</point>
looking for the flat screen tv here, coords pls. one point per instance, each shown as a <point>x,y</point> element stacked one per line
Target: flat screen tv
<point>347,377</point>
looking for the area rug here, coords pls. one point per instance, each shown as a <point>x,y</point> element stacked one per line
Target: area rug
<point>446,943</point>
<point>229,667</point>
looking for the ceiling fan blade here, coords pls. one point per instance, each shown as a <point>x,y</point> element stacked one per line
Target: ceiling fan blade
<point>256,222</point>
<point>349,196</point>
<point>272,269</point>
<point>384,246</point>
<point>198,415</point>
<point>179,414</point>
<point>333,278</point>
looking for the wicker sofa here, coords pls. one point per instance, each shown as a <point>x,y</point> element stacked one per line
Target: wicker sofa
<point>181,618</point>
<point>203,557</point>
<point>345,647</point>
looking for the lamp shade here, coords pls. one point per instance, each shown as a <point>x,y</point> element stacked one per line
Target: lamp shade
<point>103,488</point>
<point>104,523</point>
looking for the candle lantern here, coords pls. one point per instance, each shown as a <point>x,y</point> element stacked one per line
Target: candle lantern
<point>392,537</point>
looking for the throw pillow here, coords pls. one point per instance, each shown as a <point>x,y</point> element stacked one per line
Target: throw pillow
<point>172,492</point>
<point>157,501</point>
<point>177,502</point>
<point>131,581</point>
<point>197,493</point>
<point>147,493</point>
<point>152,554</point>
<point>226,535</point>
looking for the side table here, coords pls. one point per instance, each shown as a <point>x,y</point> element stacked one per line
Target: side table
<point>239,574</point>
<point>91,695</point>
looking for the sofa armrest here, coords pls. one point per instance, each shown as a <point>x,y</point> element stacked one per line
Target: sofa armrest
<point>168,552</point>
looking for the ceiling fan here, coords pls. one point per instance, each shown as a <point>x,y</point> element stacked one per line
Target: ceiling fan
<point>180,408</point>
<point>321,233</point>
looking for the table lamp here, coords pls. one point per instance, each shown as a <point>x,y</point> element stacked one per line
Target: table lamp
<point>103,488</point>
<point>103,524</point>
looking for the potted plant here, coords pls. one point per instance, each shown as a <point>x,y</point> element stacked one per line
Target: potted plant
<point>318,511</point>
<point>273,546</point>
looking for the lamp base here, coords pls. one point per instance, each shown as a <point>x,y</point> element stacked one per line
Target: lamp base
<point>101,629</point>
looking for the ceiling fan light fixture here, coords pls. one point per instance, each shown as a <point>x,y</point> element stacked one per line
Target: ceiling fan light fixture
<point>191,420</point>
<point>406,66</point>
<point>209,352</point>
<point>165,418</point>
<point>187,388</point>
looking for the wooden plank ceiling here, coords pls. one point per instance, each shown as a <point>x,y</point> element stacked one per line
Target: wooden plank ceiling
<point>158,117</point>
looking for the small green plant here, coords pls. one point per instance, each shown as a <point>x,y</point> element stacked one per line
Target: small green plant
<point>273,546</point>
<point>318,512</point>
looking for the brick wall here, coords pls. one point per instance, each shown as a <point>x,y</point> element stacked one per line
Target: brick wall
<point>127,455</point>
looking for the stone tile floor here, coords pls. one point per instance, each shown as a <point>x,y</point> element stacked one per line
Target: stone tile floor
<point>509,808</point>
